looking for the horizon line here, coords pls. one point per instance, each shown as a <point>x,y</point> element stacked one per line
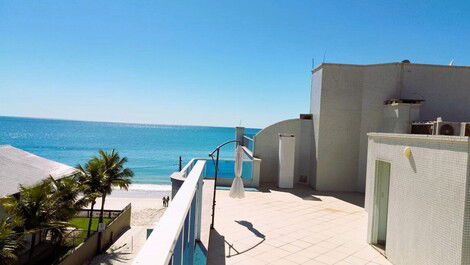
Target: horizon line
<point>119,122</point>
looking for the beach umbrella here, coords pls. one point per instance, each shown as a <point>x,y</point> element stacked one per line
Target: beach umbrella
<point>237,190</point>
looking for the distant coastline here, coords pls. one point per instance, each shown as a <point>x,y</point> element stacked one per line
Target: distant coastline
<point>119,122</point>
<point>153,150</point>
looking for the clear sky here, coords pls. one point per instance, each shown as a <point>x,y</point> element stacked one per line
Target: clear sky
<point>205,62</point>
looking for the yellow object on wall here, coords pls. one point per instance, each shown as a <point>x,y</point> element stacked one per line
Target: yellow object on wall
<point>407,152</point>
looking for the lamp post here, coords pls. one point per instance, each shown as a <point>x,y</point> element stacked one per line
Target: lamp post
<point>216,169</point>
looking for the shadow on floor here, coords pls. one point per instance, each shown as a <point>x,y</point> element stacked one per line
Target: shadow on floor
<point>216,253</point>
<point>303,192</point>
<point>309,194</point>
<point>251,228</point>
<point>113,255</point>
<point>239,251</point>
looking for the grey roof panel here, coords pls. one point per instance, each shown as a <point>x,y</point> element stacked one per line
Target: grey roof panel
<point>18,167</point>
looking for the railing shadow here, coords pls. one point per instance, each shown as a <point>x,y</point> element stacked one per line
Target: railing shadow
<point>252,229</point>
<point>216,253</point>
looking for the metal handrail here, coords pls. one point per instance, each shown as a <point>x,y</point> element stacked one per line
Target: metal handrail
<point>160,246</point>
<point>249,138</point>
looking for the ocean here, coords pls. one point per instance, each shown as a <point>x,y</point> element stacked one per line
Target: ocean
<point>153,151</point>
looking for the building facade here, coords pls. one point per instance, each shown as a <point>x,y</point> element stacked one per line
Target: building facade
<point>347,102</point>
<point>418,197</point>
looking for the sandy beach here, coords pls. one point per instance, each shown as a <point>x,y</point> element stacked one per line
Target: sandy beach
<point>147,204</point>
<point>147,208</point>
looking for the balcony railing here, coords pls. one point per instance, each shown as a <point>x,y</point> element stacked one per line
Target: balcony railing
<point>248,142</point>
<point>174,239</point>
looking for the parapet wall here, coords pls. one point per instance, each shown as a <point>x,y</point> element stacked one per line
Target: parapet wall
<point>266,148</point>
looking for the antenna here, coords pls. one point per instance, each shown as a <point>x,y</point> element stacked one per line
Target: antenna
<point>451,62</point>
<point>313,63</point>
<point>324,56</point>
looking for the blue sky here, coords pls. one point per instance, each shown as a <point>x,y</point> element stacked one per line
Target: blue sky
<point>205,62</point>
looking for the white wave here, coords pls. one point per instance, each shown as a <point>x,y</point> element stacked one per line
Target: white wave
<point>149,187</point>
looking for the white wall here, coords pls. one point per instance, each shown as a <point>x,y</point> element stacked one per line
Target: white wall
<point>347,102</point>
<point>446,90</point>
<point>380,83</point>
<point>315,106</point>
<point>266,148</point>
<point>427,197</point>
<point>338,128</point>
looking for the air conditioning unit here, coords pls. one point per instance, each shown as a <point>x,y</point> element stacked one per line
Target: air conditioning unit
<point>447,128</point>
<point>465,129</point>
<point>422,127</point>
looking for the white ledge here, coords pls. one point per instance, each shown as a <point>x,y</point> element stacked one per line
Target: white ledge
<point>425,137</point>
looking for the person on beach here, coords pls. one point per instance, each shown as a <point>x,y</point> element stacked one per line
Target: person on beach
<point>164,201</point>
<point>167,200</point>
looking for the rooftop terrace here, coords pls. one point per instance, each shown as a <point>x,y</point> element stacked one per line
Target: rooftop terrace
<point>297,226</point>
<point>268,226</point>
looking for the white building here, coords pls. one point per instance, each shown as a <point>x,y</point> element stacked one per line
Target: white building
<point>347,102</point>
<point>418,197</point>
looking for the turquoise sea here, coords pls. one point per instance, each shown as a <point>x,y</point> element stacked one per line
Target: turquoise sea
<point>152,150</point>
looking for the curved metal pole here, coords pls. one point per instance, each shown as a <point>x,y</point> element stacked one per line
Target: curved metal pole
<point>220,146</point>
<point>216,169</point>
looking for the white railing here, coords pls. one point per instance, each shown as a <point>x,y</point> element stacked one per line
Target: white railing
<point>248,143</point>
<point>174,237</point>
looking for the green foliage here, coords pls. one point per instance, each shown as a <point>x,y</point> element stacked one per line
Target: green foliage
<point>10,241</point>
<point>47,206</point>
<point>82,222</point>
<point>90,181</point>
<point>51,205</point>
<point>91,178</point>
<point>114,174</point>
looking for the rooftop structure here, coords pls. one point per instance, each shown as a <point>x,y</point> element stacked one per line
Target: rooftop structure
<point>347,102</point>
<point>417,189</point>
<point>18,167</point>
<point>418,197</point>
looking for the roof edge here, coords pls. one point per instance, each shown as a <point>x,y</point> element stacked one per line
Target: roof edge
<point>380,64</point>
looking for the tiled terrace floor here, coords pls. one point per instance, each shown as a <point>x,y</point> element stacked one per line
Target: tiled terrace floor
<point>291,227</point>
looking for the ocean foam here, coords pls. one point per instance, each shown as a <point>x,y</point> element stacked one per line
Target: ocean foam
<point>149,187</point>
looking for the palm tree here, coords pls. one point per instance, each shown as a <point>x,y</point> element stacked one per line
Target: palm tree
<point>10,241</point>
<point>38,211</point>
<point>65,196</point>
<point>114,174</point>
<point>90,182</point>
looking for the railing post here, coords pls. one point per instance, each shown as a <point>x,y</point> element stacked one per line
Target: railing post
<point>192,231</point>
<point>198,210</point>
<point>216,169</point>
<point>186,243</point>
<point>239,132</point>
<point>177,258</point>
